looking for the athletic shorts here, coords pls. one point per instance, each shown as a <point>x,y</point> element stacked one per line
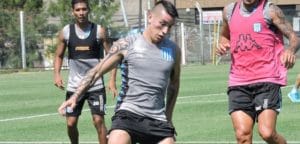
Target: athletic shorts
<point>254,98</point>
<point>95,99</point>
<point>141,129</point>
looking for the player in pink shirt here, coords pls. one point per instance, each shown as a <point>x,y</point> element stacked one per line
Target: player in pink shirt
<point>253,32</point>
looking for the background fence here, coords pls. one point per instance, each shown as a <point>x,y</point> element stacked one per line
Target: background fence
<point>204,53</point>
<point>40,40</point>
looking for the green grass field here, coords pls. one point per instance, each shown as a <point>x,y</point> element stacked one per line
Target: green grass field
<point>28,103</point>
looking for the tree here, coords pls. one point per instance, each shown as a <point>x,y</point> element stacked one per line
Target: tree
<point>34,24</point>
<point>101,13</point>
<point>104,11</point>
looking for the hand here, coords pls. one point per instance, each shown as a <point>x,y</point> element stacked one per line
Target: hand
<point>222,49</point>
<point>112,88</point>
<point>58,82</point>
<point>70,103</point>
<point>288,58</point>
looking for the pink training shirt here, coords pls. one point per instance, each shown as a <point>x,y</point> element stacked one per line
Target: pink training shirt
<point>255,49</point>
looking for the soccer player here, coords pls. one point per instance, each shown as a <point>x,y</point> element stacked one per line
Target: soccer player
<point>150,67</point>
<point>85,41</point>
<point>253,32</point>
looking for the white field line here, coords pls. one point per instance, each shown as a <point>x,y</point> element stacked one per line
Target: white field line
<point>35,116</point>
<point>202,101</point>
<point>217,94</point>
<point>112,106</point>
<point>226,142</point>
<point>206,95</point>
<point>94,142</point>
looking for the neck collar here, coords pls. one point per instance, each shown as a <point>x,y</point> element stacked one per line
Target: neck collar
<point>250,8</point>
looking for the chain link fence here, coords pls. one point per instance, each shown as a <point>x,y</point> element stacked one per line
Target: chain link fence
<point>189,38</point>
<point>40,41</point>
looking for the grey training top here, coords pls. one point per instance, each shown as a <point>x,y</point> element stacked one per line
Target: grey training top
<point>79,67</point>
<point>145,74</point>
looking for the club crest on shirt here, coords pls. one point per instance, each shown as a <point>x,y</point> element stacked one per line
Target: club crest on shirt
<point>140,52</point>
<point>257,27</point>
<point>139,49</point>
<point>167,53</point>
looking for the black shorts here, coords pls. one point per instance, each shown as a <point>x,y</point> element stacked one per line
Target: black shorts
<point>95,99</point>
<point>254,98</point>
<point>141,129</point>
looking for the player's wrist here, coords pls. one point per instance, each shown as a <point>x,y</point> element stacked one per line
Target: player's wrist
<point>75,95</point>
<point>291,50</point>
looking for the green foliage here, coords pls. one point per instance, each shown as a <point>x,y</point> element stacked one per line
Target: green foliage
<point>101,11</point>
<point>34,23</point>
<point>61,9</point>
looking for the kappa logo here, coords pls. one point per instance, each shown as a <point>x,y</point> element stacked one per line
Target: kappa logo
<point>246,43</point>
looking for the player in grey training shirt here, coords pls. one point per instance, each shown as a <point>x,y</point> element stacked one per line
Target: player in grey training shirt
<point>145,75</point>
<point>150,68</point>
<point>84,41</point>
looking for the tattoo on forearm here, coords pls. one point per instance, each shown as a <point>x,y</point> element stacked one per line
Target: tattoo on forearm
<point>93,75</point>
<point>85,83</point>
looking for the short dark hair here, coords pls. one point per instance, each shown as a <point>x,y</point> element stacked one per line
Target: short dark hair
<point>169,7</point>
<point>80,1</point>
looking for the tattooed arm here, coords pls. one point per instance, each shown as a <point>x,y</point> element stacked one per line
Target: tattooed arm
<point>115,55</point>
<point>278,19</point>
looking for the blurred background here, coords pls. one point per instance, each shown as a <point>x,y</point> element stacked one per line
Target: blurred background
<point>29,100</point>
<point>196,31</point>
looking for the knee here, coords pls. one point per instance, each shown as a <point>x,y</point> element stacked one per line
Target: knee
<point>119,137</point>
<point>71,124</point>
<point>243,136</point>
<point>267,134</point>
<point>98,121</point>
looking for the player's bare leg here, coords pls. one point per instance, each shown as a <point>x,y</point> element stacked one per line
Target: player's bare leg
<point>119,137</point>
<point>72,129</point>
<point>169,140</point>
<point>243,127</point>
<point>99,124</point>
<point>267,127</point>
